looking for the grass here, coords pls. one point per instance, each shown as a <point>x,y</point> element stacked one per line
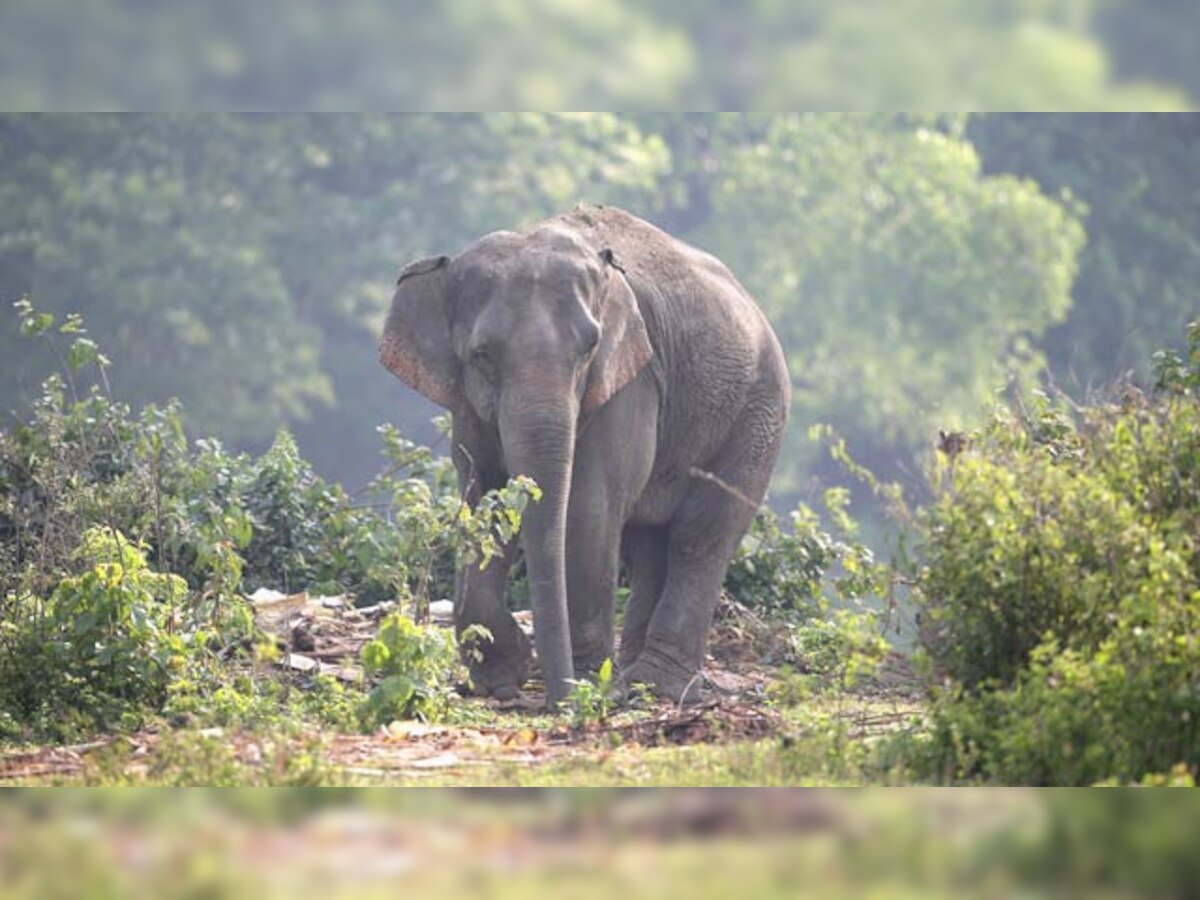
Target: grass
<point>827,740</point>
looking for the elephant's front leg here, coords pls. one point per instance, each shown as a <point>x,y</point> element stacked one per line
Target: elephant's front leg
<point>613,458</point>
<point>593,565</point>
<point>498,666</point>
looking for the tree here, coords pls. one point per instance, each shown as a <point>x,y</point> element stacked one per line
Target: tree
<point>1137,177</point>
<point>904,283</point>
<point>244,264</point>
<point>148,226</point>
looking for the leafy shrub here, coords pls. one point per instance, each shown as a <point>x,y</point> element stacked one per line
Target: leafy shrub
<point>414,666</point>
<point>840,649</point>
<point>124,549</point>
<point>1061,591</point>
<point>1124,713</point>
<point>402,542</point>
<point>218,695</point>
<point>1022,546</point>
<point>779,573</point>
<point>796,575</point>
<point>101,650</point>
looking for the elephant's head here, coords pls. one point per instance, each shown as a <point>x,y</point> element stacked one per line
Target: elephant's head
<point>529,333</point>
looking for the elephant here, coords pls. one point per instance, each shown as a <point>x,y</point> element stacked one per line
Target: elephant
<point>639,385</point>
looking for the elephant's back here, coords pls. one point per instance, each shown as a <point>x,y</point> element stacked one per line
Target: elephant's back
<point>692,302</point>
<point>674,277</point>
<point>639,246</point>
<point>715,351</point>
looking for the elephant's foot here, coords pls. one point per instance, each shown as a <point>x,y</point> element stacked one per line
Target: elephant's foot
<point>504,668</point>
<point>589,667</point>
<point>664,677</point>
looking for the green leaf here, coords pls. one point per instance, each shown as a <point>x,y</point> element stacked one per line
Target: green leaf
<point>83,351</point>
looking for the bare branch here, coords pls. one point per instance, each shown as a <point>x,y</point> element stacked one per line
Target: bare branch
<point>723,485</point>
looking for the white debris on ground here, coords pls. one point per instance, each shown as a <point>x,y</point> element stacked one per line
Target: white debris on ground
<point>324,635</point>
<point>319,635</point>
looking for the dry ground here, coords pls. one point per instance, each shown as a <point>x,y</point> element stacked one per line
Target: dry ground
<point>738,734</point>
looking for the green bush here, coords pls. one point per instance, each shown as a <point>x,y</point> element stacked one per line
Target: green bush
<point>125,550</point>
<point>1022,546</point>
<point>102,649</point>
<point>414,666</point>
<point>1060,591</point>
<point>1125,713</point>
<point>779,573</point>
<point>795,575</point>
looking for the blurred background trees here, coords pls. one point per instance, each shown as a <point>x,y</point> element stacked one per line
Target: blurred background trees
<point>705,54</point>
<point>912,264</point>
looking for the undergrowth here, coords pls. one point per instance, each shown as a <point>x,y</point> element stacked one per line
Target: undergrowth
<point>126,550</point>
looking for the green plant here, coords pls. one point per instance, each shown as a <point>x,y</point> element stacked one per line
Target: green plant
<point>434,529</point>
<point>796,575</point>
<point>102,649</point>
<point>125,547</point>
<point>1020,548</point>
<point>1060,592</point>
<point>588,701</point>
<point>1175,374</point>
<point>779,573</point>
<point>841,649</point>
<point>415,667</point>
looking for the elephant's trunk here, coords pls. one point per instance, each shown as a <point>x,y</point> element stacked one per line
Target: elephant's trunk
<point>540,442</point>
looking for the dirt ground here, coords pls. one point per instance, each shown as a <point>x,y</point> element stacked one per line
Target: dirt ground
<point>325,634</point>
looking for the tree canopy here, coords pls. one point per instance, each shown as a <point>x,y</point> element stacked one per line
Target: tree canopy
<point>912,264</point>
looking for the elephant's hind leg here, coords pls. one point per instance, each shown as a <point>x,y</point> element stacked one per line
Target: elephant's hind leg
<point>698,551</point>
<point>644,548</point>
<point>701,539</point>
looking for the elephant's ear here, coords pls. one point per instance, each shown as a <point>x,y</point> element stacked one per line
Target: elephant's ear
<point>415,345</point>
<point>624,348</point>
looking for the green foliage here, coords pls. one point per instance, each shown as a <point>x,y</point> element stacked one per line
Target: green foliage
<point>909,263</point>
<point>591,702</point>
<point>1061,593</point>
<point>841,650</point>
<point>414,666</point>
<point>434,528</point>
<point>1175,374</point>
<point>779,573</point>
<point>101,651</point>
<point>1024,547</point>
<point>903,281</point>
<point>1125,712</point>
<point>902,278</point>
<point>797,576</point>
<point>930,54</point>
<point>1132,177</point>
<point>126,549</point>
<point>258,281</point>
<point>219,694</point>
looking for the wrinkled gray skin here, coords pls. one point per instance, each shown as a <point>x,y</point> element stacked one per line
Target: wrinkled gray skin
<point>638,384</point>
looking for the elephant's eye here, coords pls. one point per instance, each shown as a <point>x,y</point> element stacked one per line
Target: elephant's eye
<point>481,359</point>
<point>591,338</point>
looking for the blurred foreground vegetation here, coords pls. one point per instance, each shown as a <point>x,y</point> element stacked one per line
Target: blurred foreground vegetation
<point>700,844</point>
